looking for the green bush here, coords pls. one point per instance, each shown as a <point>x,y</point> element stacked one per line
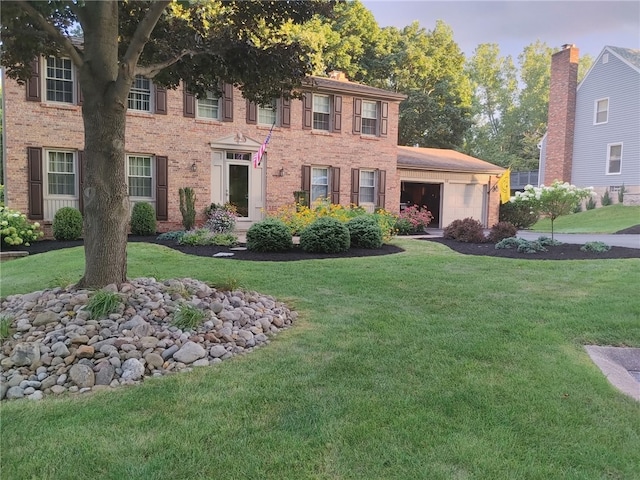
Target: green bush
<point>67,224</point>
<point>403,226</point>
<point>519,214</point>
<point>605,200</point>
<point>365,232</point>
<point>204,236</point>
<point>521,245</point>
<point>269,235</point>
<point>621,193</point>
<point>175,235</point>
<point>16,230</point>
<point>502,230</point>
<point>591,204</point>
<point>595,247</point>
<point>468,230</point>
<point>143,219</point>
<point>325,235</point>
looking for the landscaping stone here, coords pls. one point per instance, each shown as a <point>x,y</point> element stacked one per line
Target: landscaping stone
<point>82,375</point>
<point>189,353</point>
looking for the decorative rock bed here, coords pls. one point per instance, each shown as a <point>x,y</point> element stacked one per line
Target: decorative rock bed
<point>58,348</point>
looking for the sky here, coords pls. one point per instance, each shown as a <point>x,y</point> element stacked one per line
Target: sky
<point>514,24</point>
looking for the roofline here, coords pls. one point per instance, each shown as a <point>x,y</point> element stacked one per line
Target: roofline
<point>606,49</point>
<point>497,170</point>
<point>351,88</point>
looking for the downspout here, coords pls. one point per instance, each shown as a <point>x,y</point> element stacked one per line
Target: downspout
<point>4,137</point>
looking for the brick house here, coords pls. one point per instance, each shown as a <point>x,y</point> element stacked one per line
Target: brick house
<point>339,142</point>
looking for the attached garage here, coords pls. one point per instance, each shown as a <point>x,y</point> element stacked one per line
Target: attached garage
<point>450,184</point>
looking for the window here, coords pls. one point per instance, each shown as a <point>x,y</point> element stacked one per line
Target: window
<point>59,80</point>
<point>267,114</point>
<point>601,111</point>
<point>140,176</point>
<point>321,111</point>
<point>209,107</point>
<point>369,118</point>
<point>140,95</point>
<point>61,173</point>
<point>367,186</point>
<point>614,158</point>
<point>319,183</point>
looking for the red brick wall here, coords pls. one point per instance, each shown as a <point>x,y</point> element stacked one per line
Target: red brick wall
<point>561,115</point>
<point>187,140</point>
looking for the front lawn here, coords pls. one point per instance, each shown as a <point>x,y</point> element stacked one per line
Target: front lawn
<point>424,364</point>
<point>609,219</point>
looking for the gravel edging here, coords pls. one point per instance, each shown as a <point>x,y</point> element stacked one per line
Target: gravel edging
<point>57,348</point>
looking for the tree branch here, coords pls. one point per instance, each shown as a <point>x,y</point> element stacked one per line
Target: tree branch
<point>142,33</point>
<point>53,32</point>
<point>151,71</point>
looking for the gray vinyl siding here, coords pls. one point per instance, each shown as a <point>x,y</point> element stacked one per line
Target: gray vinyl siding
<point>620,83</point>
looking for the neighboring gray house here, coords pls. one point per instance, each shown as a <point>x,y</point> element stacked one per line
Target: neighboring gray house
<point>593,133</point>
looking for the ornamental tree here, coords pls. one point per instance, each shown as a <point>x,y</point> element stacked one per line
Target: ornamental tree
<point>200,42</point>
<point>552,201</point>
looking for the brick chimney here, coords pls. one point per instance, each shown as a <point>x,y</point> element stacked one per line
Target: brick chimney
<point>562,114</point>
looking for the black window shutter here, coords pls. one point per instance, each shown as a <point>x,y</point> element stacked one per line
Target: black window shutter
<point>355,186</point>
<point>189,103</point>
<point>357,115</point>
<point>285,112</point>
<point>162,188</point>
<point>384,118</point>
<point>337,113</point>
<point>36,202</point>
<point>33,84</point>
<point>382,186</point>
<point>307,111</point>
<point>227,102</point>
<point>81,181</point>
<point>252,113</point>
<point>335,185</point>
<point>161,100</point>
<point>79,94</point>
<point>305,185</point>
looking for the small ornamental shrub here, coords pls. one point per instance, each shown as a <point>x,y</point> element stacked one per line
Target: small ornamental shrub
<point>175,236</point>
<point>605,199</point>
<point>591,204</point>
<point>547,241</point>
<point>403,226</point>
<point>187,207</point>
<point>16,230</point>
<point>621,193</point>
<point>143,219</point>
<point>521,245</point>
<point>269,235</point>
<point>325,235</point>
<point>595,247</point>
<point>577,208</point>
<point>221,218</point>
<point>508,243</point>
<point>502,230</point>
<point>67,224</point>
<point>204,236</point>
<point>365,232</point>
<point>519,214</point>
<point>418,217</point>
<point>224,239</point>
<point>467,230</point>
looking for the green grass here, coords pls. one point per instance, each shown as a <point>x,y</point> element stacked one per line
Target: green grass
<point>610,219</point>
<point>425,364</point>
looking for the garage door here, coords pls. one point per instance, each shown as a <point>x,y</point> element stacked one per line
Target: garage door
<point>462,201</point>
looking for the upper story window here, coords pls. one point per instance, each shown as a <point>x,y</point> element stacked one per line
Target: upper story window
<point>59,80</point>
<point>367,186</point>
<point>61,173</point>
<point>321,112</point>
<point>209,107</point>
<point>601,111</point>
<point>267,114</point>
<point>614,158</point>
<point>369,118</point>
<point>140,176</point>
<point>319,183</point>
<point>140,95</point>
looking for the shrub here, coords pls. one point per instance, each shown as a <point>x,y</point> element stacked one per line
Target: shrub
<point>224,239</point>
<point>595,247</point>
<point>325,235</point>
<point>386,221</point>
<point>467,230</point>
<point>365,232</point>
<point>548,241</point>
<point>502,230</point>
<point>221,218</point>
<point>521,245</point>
<point>67,224</point>
<point>188,317</point>
<point>175,235</point>
<point>519,214</point>
<point>16,230</point>
<point>591,204</point>
<point>270,235</point>
<point>204,236</point>
<point>418,217</point>
<point>143,219</point>
<point>403,226</point>
<point>621,193</point>
<point>1,195</point>
<point>103,303</point>
<point>187,207</point>
<point>605,199</point>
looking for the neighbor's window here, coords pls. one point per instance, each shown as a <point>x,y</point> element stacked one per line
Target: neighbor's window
<point>602,111</point>
<point>267,113</point>
<point>614,158</point>
<point>369,118</point>
<point>209,107</point>
<point>140,94</point>
<point>59,80</point>
<point>367,186</point>
<point>139,176</point>
<point>319,183</point>
<point>321,110</point>
<point>61,173</point>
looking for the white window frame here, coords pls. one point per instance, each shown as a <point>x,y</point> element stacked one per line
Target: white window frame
<point>312,196</point>
<point>267,114</point>
<point>152,165</point>
<point>47,78</point>
<point>365,128</point>
<point>204,104</point>
<point>370,188</point>
<point>48,171</point>
<point>318,109</point>
<point>137,96</point>
<point>609,147</point>
<point>596,111</point>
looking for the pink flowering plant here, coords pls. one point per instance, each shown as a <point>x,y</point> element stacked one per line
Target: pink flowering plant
<point>416,217</point>
<point>221,218</point>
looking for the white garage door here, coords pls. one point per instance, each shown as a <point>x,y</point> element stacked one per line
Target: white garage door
<point>462,201</point>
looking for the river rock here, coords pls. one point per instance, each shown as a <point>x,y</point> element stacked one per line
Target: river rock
<point>25,354</point>
<point>132,369</point>
<point>189,353</point>
<point>82,375</point>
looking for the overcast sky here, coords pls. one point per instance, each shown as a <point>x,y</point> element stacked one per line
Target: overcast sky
<point>514,24</point>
